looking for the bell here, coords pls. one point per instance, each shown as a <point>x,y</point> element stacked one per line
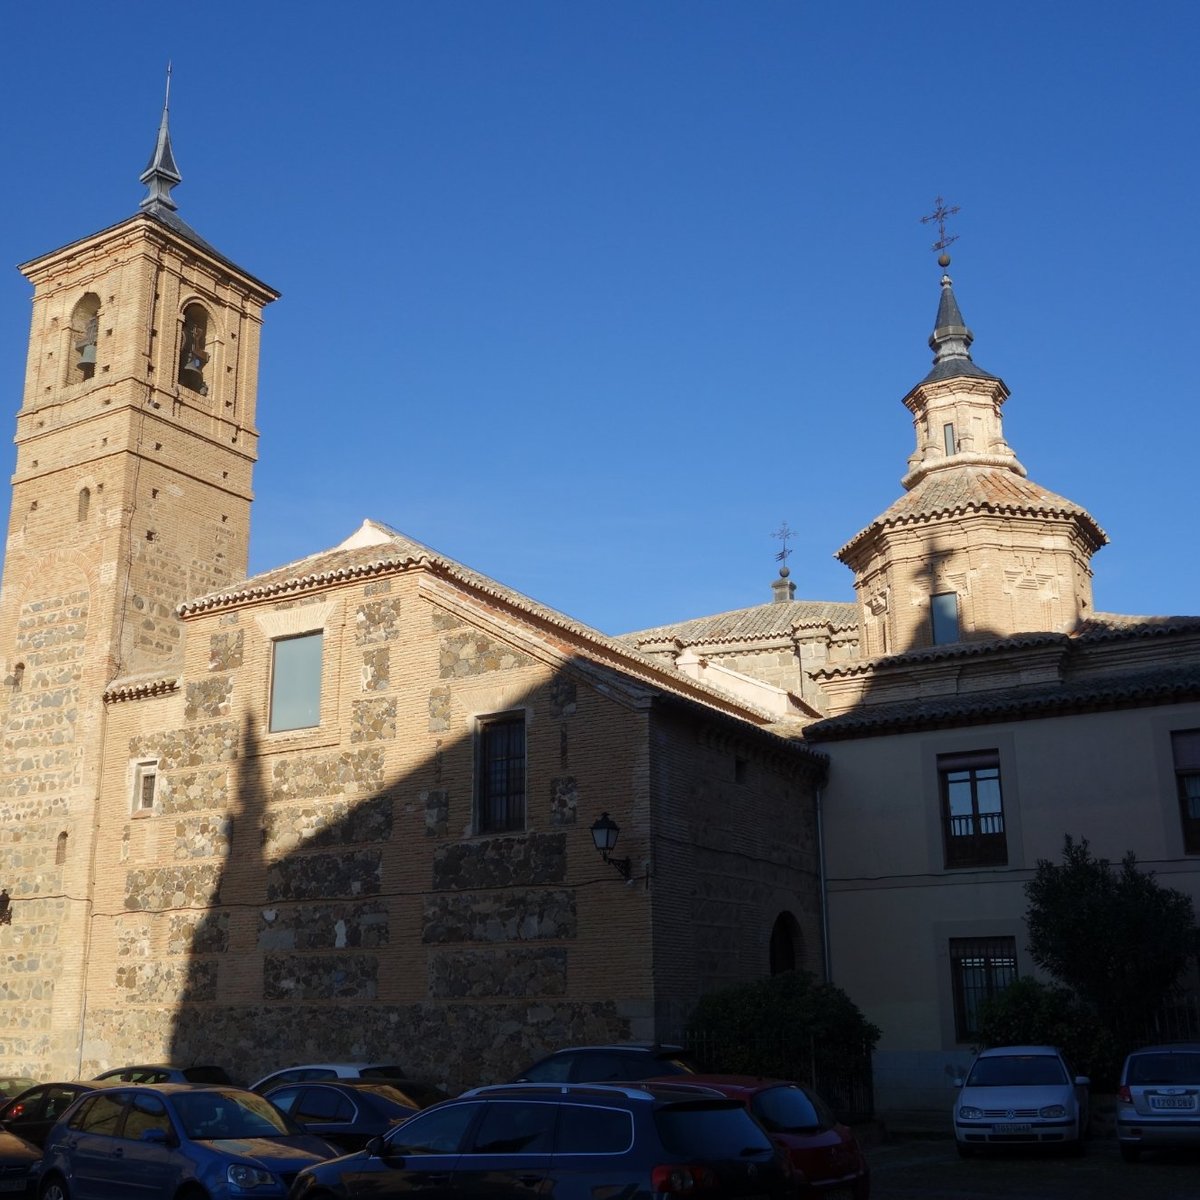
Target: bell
<point>87,355</point>
<point>191,376</point>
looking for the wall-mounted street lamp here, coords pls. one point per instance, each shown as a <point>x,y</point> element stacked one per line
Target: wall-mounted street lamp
<point>605,832</point>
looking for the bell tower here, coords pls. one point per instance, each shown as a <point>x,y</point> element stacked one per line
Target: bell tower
<point>136,441</point>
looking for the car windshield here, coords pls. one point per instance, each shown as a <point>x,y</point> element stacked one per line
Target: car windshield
<point>788,1110</point>
<point>209,1116</point>
<point>1017,1070</point>
<point>1175,1067</point>
<point>391,1101</point>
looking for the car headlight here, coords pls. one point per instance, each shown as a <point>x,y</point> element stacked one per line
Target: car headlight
<point>1052,1110</point>
<point>969,1112</point>
<point>242,1175</point>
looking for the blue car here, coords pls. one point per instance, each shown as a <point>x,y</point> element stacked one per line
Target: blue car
<point>174,1141</point>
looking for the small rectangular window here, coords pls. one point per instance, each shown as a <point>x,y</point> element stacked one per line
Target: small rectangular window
<point>972,810</point>
<point>948,440</point>
<point>1185,749</point>
<point>500,775</point>
<point>145,785</point>
<point>980,968</point>
<point>943,613</point>
<point>296,682</point>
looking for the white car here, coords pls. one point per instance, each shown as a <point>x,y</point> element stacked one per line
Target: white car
<point>1020,1096</point>
<point>307,1071</point>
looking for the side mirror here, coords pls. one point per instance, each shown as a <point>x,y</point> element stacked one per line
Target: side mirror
<point>1082,1081</point>
<point>958,1081</point>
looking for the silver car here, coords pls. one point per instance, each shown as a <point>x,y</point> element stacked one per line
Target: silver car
<point>1158,1099</point>
<point>1020,1095</point>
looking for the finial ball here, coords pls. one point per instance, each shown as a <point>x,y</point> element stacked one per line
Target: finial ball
<point>943,260</point>
<point>784,572</point>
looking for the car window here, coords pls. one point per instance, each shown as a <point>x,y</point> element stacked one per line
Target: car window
<point>392,1072</point>
<point>204,1074</point>
<point>391,1101</point>
<point>555,1069</point>
<point>710,1130</point>
<point>515,1127</point>
<point>57,1100</point>
<point>145,1112</point>
<point>1178,1067</point>
<point>28,1105</point>
<point>787,1110</point>
<point>599,1065</point>
<point>284,1097</point>
<point>435,1131</point>
<point>1017,1070</point>
<point>584,1129</point>
<point>102,1115</point>
<point>323,1104</point>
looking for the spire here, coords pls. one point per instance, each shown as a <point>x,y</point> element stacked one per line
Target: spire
<point>951,339</point>
<point>161,173</point>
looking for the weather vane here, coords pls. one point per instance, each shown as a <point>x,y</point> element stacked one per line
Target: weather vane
<point>784,533</point>
<point>945,241</point>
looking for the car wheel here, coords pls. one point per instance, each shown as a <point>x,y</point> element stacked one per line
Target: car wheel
<point>54,1189</point>
<point>191,1192</point>
<point>1130,1152</point>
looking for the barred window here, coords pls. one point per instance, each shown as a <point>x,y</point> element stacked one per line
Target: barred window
<point>972,809</point>
<point>1185,747</point>
<point>145,785</point>
<point>500,774</point>
<point>980,968</point>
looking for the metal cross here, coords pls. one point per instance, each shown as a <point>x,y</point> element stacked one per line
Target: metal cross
<point>939,214</point>
<point>784,533</point>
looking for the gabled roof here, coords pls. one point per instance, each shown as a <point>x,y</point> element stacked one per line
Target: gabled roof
<point>376,549</point>
<point>773,619</point>
<point>975,488</point>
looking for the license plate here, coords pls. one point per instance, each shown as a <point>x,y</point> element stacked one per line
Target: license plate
<point>1010,1128</point>
<point>1170,1102</point>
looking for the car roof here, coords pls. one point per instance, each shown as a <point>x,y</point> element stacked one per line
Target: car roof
<point>650,1047</point>
<point>726,1084</point>
<point>1168,1048</point>
<point>1010,1051</point>
<point>640,1091</point>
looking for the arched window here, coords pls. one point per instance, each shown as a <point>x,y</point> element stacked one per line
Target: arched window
<point>787,944</point>
<point>18,676</point>
<point>60,850</point>
<point>193,350</point>
<point>85,328</point>
<point>85,502</point>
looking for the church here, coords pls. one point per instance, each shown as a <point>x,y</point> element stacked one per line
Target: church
<point>374,804</point>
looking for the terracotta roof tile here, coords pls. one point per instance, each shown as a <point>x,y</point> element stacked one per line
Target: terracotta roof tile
<point>773,619</point>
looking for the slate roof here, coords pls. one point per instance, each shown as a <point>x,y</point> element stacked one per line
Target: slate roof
<point>773,619</point>
<point>968,488</point>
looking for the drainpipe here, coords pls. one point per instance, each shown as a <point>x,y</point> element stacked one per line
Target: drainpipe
<point>824,890</point>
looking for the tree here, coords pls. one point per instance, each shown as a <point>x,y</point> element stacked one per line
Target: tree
<point>1114,935</point>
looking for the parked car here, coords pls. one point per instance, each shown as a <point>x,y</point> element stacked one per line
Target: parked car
<point>627,1061</point>
<point>1158,1099</point>
<point>1020,1095</point>
<point>824,1153</point>
<point>343,1070</point>
<point>17,1161</point>
<point>32,1113</point>
<point>162,1073</point>
<point>174,1139</point>
<point>350,1112</point>
<point>10,1085</point>
<point>571,1141</point>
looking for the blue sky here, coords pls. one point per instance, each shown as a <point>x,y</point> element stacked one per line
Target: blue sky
<point>593,295</point>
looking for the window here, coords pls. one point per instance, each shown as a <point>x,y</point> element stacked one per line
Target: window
<point>785,939</point>
<point>145,785</point>
<point>972,809</point>
<point>85,326</point>
<point>593,1130</point>
<point>296,682</point>
<point>948,439</point>
<point>943,615</point>
<point>83,504</point>
<point>193,352</point>
<point>1185,746</point>
<point>438,1132</point>
<point>515,1127</point>
<point>979,969</point>
<point>501,775</point>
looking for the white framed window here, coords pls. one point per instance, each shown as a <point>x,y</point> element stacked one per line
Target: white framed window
<point>145,785</point>
<point>296,681</point>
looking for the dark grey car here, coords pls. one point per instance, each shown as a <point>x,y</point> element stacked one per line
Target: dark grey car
<point>1158,1099</point>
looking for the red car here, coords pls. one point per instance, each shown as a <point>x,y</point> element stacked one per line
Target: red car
<point>824,1153</point>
